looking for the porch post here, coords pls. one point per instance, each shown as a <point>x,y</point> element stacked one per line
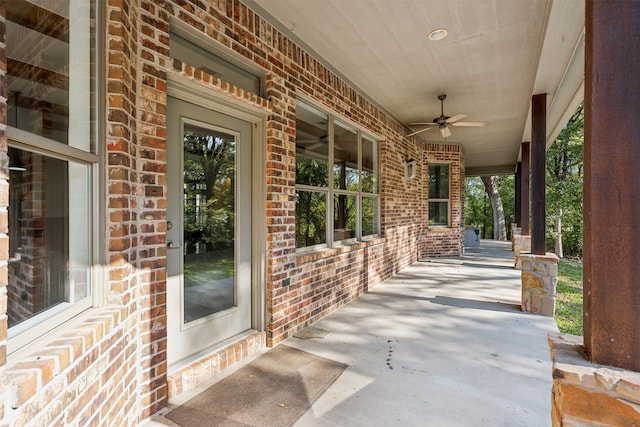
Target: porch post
<point>607,391</point>
<point>521,238</point>
<point>612,184</point>
<point>524,190</point>
<point>538,161</point>
<point>518,191</point>
<point>539,269</point>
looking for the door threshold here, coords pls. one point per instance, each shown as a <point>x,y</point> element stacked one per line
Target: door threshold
<point>189,373</point>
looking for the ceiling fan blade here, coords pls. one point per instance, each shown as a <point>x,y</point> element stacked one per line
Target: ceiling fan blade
<point>456,118</point>
<point>445,132</point>
<point>469,124</point>
<point>417,132</point>
<point>423,124</point>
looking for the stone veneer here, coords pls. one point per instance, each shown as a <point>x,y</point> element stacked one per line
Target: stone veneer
<point>586,394</point>
<point>520,244</point>
<point>539,280</point>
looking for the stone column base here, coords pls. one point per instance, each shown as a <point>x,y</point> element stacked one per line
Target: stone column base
<point>585,394</point>
<point>539,280</point>
<point>515,231</point>
<point>520,244</point>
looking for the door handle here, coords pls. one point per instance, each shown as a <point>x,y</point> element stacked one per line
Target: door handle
<point>171,245</point>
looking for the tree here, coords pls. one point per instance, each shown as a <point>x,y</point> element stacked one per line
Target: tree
<point>478,210</point>
<point>499,227</point>
<point>565,167</point>
<point>209,191</point>
<point>477,206</point>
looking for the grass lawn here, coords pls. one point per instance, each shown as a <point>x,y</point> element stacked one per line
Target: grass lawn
<point>569,297</point>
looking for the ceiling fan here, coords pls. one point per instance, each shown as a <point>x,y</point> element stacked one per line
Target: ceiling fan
<point>443,121</point>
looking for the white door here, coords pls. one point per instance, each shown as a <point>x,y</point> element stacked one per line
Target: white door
<point>209,228</point>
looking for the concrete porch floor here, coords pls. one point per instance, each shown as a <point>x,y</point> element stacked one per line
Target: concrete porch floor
<point>442,343</point>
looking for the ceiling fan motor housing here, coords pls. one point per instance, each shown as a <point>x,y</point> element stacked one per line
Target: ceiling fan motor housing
<point>442,120</point>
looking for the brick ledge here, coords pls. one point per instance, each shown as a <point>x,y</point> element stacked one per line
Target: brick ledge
<point>188,377</point>
<point>304,257</point>
<point>29,375</point>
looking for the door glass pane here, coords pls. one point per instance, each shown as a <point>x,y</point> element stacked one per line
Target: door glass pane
<point>209,222</point>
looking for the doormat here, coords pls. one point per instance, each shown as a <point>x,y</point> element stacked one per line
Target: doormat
<point>274,390</point>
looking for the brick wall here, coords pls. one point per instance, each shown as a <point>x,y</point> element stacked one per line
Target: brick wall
<point>445,241</point>
<point>4,212</point>
<point>111,367</point>
<point>318,283</point>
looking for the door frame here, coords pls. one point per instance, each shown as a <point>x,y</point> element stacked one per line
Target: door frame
<point>190,91</point>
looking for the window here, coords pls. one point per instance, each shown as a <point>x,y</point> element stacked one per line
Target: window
<point>439,194</point>
<point>186,47</point>
<point>52,158</point>
<point>336,180</point>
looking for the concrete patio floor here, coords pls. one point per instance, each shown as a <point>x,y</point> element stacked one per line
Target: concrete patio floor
<point>442,343</point>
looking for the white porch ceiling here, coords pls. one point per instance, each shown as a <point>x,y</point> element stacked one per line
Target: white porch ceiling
<point>498,53</point>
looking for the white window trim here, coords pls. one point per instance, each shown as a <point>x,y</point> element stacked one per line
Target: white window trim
<point>330,191</point>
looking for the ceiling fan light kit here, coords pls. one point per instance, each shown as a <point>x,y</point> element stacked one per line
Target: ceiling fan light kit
<point>443,121</point>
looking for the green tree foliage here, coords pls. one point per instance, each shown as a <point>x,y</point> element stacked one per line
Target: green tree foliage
<point>565,165</point>
<point>311,206</point>
<point>564,182</point>
<point>478,212</point>
<point>209,191</point>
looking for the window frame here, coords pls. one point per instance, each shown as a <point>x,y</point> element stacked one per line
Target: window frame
<point>331,192</point>
<point>29,331</point>
<point>439,200</point>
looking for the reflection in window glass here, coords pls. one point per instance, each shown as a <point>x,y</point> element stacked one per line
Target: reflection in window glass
<point>49,225</point>
<point>336,180</point>
<point>310,171</point>
<point>439,194</point>
<point>50,61</point>
<point>311,218</point>
<point>438,213</point>
<point>312,147</point>
<point>51,97</point>
<point>345,157</point>
<point>369,216</point>
<point>369,166</point>
<point>344,219</point>
<point>209,216</point>
<point>439,181</point>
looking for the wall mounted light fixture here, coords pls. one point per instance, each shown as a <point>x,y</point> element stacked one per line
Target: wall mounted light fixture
<point>410,169</point>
